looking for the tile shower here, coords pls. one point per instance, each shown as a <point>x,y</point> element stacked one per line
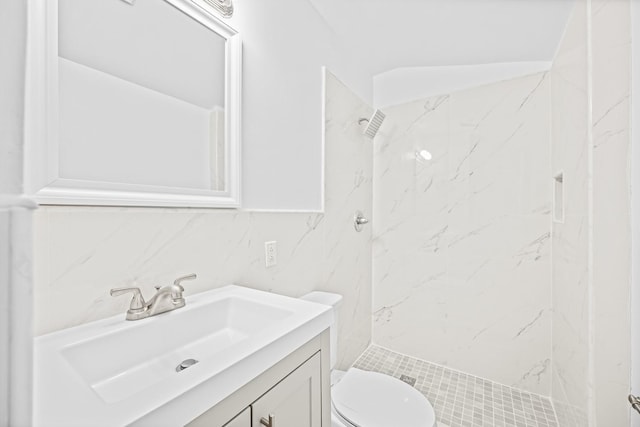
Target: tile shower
<point>471,271</point>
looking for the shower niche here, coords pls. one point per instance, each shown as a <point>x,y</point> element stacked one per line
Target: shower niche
<point>558,197</point>
<point>133,103</point>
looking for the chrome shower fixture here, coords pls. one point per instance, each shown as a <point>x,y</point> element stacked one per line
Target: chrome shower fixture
<point>373,124</point>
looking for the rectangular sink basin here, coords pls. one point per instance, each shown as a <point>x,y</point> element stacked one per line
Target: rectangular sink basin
<point>146,356</point>
<point>117,372</point>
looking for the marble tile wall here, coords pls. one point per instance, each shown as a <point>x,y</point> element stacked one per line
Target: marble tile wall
<point>591,248</point>
<point>82,252</point>
<point>611,145</point>
<point>461,249</point>
<point>570,238</point>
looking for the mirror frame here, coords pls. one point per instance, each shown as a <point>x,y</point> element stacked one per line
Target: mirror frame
<point>42,180</point>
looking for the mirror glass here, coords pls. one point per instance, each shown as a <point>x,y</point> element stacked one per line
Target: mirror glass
<point>132,103</point>
<point>141,95</point>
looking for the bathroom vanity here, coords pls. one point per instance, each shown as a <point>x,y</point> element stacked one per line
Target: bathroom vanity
<point>288,394</point>
<point>232,356</point>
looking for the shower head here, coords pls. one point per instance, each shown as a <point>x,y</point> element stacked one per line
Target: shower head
<point>373,124</point>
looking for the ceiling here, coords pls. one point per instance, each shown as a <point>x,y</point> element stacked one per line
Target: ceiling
<point>390,34</point>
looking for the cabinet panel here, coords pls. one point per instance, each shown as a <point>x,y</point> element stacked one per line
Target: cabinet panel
<point>295,401</point>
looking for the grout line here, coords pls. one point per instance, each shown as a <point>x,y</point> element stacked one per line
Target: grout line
<point>555,412</point>
<point>591,391</point>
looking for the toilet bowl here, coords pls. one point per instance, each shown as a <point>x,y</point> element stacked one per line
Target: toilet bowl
<point>370,399</point>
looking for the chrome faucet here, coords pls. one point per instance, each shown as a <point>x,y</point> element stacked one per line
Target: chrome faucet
<point>166,299</point>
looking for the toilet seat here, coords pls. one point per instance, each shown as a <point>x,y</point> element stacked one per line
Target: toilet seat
<point>371,399</point>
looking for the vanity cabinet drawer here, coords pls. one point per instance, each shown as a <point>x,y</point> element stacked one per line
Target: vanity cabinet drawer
<point>295,401</point>
<point>243,419</point>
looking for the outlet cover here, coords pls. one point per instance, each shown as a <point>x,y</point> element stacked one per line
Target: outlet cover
<point>270,253</point>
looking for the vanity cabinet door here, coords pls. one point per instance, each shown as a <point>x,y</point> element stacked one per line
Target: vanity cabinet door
<point>296,401</point>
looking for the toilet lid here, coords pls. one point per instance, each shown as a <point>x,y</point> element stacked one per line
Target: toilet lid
<point>371,399</point>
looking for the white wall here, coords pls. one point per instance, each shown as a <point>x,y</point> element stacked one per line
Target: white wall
<point>282,100</point>
<point>12,68</point>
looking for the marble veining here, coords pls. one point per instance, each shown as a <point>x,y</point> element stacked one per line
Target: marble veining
<point>461,243</point>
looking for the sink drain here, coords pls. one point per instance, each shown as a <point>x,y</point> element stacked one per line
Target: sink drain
<point>186,364</point>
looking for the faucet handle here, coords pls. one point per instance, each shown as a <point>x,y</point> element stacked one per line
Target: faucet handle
<point>183,278</point>
<point>177,289</point>
<point>137,301</point>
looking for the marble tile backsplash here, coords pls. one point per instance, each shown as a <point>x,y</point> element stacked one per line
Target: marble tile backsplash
<point>461,248</point>
<point>82,252</point>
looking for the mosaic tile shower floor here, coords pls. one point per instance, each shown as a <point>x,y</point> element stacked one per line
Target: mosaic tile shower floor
<point>462,400</point>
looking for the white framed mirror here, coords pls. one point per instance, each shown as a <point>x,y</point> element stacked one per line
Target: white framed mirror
<point>132,103</point>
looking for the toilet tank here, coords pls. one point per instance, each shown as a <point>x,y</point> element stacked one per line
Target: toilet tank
<point>333,300</point>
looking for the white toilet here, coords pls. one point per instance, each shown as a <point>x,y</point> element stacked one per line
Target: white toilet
<point>370,399</point>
